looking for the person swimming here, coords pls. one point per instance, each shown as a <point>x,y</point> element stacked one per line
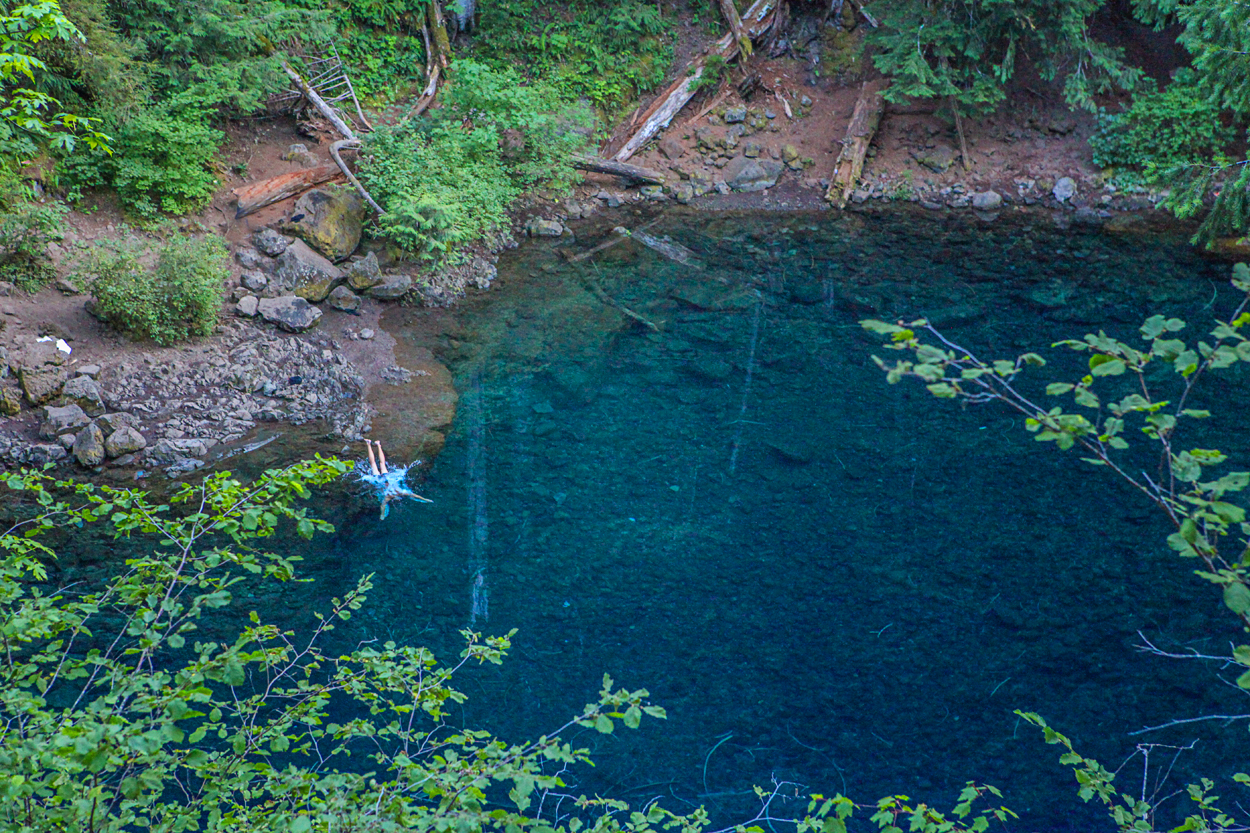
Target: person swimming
<point>390,483</point>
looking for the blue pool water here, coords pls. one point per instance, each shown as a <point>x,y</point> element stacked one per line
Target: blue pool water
<point>825,579</point>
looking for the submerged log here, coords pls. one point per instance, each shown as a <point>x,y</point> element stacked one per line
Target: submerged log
<point>257,195</point>
<point>634,173</point>
<point>756,22</point>
<point>864,122</point>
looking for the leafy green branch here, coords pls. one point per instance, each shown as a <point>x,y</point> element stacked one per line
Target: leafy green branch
<point>1195,506</point>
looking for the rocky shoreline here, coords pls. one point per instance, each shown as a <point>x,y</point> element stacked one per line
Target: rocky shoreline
<point>274,363</point>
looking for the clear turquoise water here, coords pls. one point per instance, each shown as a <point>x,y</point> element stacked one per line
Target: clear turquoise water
<point>825,580</point>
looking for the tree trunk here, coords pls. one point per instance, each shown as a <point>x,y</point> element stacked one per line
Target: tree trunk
<point>864,121</point>
<point>756,22</point>
<point>734,20</point>
<point>317,101</point>
<point>442,44</point>
<point>257,195</point>
<point>635,174</point>
<point>959,130</point>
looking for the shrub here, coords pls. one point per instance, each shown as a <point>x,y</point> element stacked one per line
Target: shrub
<point>178,299</point>
<point>1161,130</point>
<point>27,226</point>
<point>450,179</point>
<point>162,161</point>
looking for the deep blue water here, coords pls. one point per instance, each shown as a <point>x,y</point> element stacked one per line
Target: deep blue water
<point>825,579</point>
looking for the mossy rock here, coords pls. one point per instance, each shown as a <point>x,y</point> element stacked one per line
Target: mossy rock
<point>330,220</point>
<point>843,53</point>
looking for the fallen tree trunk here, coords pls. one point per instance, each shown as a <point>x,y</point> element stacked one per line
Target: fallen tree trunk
<point>864,122</point>
<point>257,195</point>
<point>343,144</point>
<point>756,22</point>
<point>317,101</point>
<point>641,176</point>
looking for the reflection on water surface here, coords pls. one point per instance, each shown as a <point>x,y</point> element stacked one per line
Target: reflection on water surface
<point>824,579</point>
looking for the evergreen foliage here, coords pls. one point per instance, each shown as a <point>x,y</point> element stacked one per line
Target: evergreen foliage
<point>450,177</point>
<point>965,51</point>
<point>27,226</point>
<point>29,116</point>
<point>1216,34</point>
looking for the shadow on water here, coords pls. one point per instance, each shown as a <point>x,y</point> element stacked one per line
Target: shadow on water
<point>825,580</point>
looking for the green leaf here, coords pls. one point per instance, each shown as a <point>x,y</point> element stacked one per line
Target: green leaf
<point>1107,366</point>
<point>1057,388</point>
<point>1237,598</point>
<point>604,724</point>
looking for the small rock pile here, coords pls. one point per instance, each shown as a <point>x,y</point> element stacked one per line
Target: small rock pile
<point>170,414</point>
<point>283,278</point>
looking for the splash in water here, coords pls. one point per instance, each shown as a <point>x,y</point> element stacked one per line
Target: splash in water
<point>389,486</point>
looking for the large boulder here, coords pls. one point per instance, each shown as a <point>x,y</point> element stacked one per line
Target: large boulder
<point>329,220</point>
<point>125,440</point>
<point>170,452</point>
<point>743,174</point>
<point>58,421</point>
<point>306,273</point>
<point>289,312</point>
<point>89,446</point>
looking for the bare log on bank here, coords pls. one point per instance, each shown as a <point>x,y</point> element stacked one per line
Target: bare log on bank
<point>864,122</point>
<point>633,173</point>
<point>756,22</point>
<point>320,103</point>
<point>257,195</point>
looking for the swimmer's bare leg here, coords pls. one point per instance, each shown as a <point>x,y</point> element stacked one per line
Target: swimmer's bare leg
<point>382,459</point>
<point>373,464</point>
